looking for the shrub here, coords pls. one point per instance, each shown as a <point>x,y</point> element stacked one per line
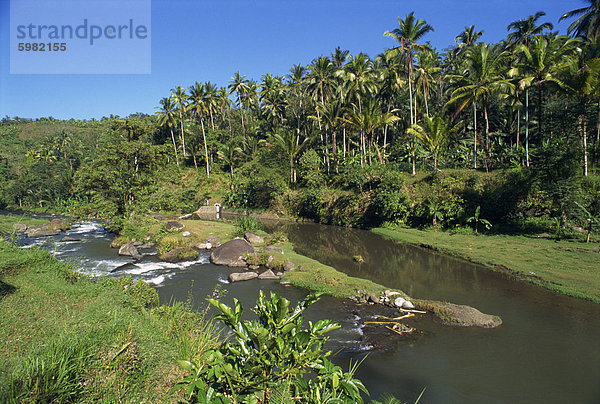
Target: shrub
<point>269,357</point>
<point>246,223</point>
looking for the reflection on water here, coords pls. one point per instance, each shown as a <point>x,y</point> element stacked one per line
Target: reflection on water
<point>547,350</point>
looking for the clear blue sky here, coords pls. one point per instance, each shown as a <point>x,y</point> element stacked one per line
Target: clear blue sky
<point>200,40</point>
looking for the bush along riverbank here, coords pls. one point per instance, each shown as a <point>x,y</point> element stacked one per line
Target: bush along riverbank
<point>272,257</point>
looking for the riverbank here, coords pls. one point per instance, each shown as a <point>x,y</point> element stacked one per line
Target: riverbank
<point>68,338</point>
<point>564,266</point>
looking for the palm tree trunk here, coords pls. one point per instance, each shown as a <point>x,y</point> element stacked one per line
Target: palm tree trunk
<point>475,132</point>
<point>518,127</point>
<point>334,149</point>
<point>174,146</point>
<point>344,140</point>
<point>487,136</point>
<point>182,133</point>
<point>242,114</point>
<point>539,112</point>
<point>527,127</point>
<point>412,118</point>
<point>583,128</point>
<point>205,148</point>
<point>597,136</point>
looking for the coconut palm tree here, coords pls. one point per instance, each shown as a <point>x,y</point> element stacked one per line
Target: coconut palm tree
<point>525,30</point>
<point>468,37</point>
<point>180,99</point>
<point>434,132</point>
<point>239,85</point>
<point>289,143</point>
<point>483,77</point>
<point>321,85</point>
<point>587,25</point>
<point>166,116</point>
<point>199,108</point>
<point>368,120</point>
<point>582,80</point>
<point>540,66</point>
<point>230,153</point>
<point>407,34</point>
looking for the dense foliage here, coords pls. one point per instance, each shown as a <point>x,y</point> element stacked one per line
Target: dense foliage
<point>513,126</point>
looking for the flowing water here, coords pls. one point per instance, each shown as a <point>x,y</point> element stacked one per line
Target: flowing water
<point>547,350</point>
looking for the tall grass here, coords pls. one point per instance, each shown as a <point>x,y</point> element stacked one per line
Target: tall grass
<point>246,223</point>
<point>54,372</point>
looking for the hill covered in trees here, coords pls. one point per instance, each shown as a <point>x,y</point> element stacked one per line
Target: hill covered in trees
<point>411,136</point>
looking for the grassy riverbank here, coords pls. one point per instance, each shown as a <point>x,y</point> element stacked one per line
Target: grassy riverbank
<point>567,267</point>
<point>67,338</point>
<point>312,275</point>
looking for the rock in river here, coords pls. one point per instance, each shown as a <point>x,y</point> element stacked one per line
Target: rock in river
<point>20,227</point>
<point>253,238</point>
<point>399,301</point>
<point>268,274</point>
<point>271,248</point>
<point>242,276</point>
<point>231,253</point>
<point>130,250</point>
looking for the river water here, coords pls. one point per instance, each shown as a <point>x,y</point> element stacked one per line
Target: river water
<point>547,350</point>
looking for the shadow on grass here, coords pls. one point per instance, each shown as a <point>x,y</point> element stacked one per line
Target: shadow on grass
<point>6,289</point>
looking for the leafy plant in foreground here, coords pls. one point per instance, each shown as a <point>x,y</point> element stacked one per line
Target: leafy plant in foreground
<point>268,359</point>
<point>476,218</point>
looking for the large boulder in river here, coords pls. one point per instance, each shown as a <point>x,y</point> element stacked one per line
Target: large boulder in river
<point>129,249</point>
<point>459,315</point>
<point>20,227</point>
<point>242,276</point>
<point>40,231</point>
<point>231,253</point>
<point>253,238</point>
<point>180,254</point>
<point>57,224</point>
<point>271,248</point>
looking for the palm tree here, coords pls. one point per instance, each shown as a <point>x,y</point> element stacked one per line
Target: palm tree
<point>481,78</point>
<point>199,107</point>
<point>369,120</point>
<point>434,132</point>
<point>540,66</point>
<point>239,85</point>
<point>427,67</point>
<point>295,82</point>
<point>166,116</point>
<point>229,153</point>
<point>582,80</point>
<point>180,99</point>
<point>321,85</point>
<point>588,24</point>
<point>289,143</point>
<point>272,98</point>
<point>407,34</point>
<point>468,37</point>
<point>524,30</point>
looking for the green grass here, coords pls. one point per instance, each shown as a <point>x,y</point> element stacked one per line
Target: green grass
<point>67,338</point>
<point>7,221</point>
<point>322,278</point>
<point>567,267</point>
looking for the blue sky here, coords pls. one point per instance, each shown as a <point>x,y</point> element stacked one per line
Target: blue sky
<point>199,40</point>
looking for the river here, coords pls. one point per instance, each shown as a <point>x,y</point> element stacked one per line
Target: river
<point>547,350</point>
